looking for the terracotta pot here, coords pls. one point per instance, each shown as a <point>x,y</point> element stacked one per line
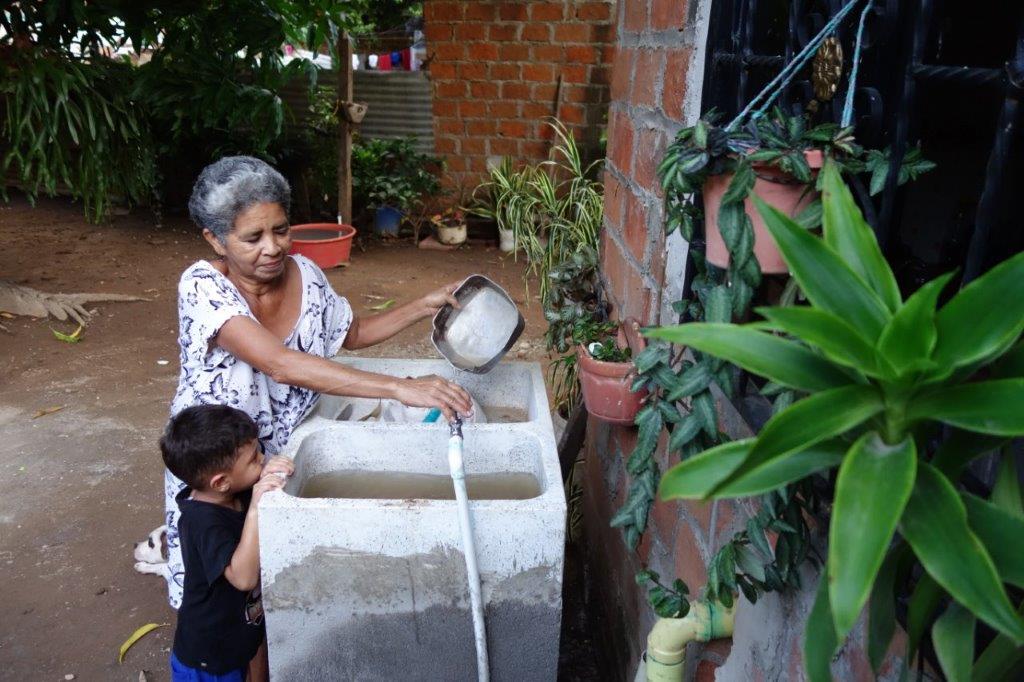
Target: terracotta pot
<point>776,188</point>
<point>326,244</point>
<point>606,385</point>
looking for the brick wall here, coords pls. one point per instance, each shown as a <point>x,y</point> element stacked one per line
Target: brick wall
<point>498,68</point>
<point>653,57</point>
<point>655,89</point>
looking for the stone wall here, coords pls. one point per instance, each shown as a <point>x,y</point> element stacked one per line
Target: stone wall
<point>655,90</point>
<point>499,68</point>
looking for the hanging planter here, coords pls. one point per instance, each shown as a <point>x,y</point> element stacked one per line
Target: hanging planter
<point>775,157</point>
<point>774,186</point>
<point>606,384</point>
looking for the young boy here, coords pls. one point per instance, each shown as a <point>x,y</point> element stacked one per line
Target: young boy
<point>213,448</point>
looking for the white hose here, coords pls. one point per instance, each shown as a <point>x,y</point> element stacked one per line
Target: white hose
<point>458,474</point>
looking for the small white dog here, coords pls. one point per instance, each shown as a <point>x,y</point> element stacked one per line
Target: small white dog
<point>151,553</point>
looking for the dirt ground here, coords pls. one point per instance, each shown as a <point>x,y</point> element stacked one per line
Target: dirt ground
<point>80,485</point>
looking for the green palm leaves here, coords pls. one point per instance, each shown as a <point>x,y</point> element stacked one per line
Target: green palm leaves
<point>877,369</point>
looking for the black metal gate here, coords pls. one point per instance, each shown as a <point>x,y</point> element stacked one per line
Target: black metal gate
<point>947,75</point>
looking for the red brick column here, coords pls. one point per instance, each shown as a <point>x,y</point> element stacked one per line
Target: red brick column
<point>499,68</point>
<point>653,55</point>
<point>647,90</point>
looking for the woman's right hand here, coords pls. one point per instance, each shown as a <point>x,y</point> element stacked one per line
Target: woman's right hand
<point>433,391</point>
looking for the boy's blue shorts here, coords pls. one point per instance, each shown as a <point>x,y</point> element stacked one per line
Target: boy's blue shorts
<point>182,673</point>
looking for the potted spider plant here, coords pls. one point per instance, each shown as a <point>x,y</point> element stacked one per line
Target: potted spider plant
<point>508,198</point>
<point>604,352</point>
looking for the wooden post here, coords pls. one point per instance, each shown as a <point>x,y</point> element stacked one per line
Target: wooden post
<point>344,130</point>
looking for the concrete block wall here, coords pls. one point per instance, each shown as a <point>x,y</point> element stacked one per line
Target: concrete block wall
<point>655,90</point>
<point>498,68</point>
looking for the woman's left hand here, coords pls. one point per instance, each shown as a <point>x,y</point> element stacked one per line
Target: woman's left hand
<point>435,300</point>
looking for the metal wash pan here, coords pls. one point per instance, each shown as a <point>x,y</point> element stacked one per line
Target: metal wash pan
<point>476,336</point>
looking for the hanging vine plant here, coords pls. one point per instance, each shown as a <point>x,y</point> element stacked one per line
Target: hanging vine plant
<point>681,384</point>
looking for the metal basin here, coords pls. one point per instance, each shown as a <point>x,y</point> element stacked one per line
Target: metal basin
<point>476,336</point>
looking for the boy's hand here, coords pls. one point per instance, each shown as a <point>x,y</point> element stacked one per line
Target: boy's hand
<point>280,465</point>
<point>270,481</point>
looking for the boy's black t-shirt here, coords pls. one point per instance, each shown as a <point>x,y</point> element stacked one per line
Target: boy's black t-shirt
<point>219,627</point>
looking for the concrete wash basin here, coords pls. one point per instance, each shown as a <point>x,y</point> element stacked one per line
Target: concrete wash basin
<point>375,589</point>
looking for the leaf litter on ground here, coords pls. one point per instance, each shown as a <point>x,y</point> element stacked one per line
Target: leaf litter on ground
<point>135,637</point>
<point>48,410</point>
<point>73,337</point>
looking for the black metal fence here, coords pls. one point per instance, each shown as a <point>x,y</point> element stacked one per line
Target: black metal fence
<point>945,74</point>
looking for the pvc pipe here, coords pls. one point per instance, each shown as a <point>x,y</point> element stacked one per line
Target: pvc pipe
<point>458,474</point>
<point>666,644</point>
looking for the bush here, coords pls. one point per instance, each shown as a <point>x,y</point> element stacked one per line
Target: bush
<point>392,173</point>
<point>72,123</point>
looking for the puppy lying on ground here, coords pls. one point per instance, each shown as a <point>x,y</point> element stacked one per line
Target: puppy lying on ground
<point>151,553</point>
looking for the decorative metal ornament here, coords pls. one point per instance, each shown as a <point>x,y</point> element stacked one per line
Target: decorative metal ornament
<point>827,69</point>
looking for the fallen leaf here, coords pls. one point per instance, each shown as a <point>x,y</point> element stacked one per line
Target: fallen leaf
<point>74,337</point>
<point>373,297</point>
<point>48,410</point>
<point>136,636</point>
<point>383,306</point>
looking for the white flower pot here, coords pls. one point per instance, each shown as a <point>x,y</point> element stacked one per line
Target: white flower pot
<point>506,240</point>
<point>451,236</point>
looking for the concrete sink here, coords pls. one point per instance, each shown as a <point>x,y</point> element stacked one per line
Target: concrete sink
<point>375,589</point>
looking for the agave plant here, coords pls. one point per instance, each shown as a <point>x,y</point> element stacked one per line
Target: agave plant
<point>881,377</point>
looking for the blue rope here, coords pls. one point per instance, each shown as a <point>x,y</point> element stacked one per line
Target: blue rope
<point>779,83</point>
<point>848,106</point>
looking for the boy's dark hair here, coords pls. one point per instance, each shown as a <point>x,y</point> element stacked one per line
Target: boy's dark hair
<point>203,440</point>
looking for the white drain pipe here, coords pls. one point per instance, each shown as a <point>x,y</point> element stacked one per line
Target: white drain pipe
<point>458,473</point>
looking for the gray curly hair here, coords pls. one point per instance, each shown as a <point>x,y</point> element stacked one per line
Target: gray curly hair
<point>227,187</point>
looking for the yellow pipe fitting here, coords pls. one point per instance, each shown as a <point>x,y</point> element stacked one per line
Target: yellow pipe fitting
<point>666,644</point>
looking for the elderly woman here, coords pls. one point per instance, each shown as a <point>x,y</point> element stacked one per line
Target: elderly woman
<point>258,325</point>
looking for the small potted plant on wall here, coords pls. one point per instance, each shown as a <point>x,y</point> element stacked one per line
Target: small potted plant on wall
<point>775,158</point>
<point>451,226</point>
<point>604,351</point>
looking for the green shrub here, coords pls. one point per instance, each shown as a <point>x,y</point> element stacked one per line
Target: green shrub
<point>72,124</point>
<point>392,173</point>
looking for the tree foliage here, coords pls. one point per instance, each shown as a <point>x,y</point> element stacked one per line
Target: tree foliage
<point>207,84</point>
